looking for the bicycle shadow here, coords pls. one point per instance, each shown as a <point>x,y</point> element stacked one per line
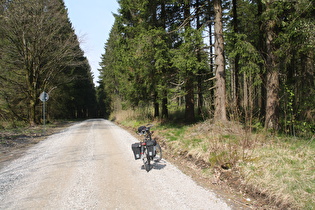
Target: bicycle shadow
<point>157,165</point>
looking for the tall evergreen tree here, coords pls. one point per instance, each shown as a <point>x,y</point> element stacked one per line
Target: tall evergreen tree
<point>272,66</point>
<point>220,97</point>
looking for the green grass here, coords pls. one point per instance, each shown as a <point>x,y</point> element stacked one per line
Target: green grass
<point>172,134</point>
<point>284,171</point>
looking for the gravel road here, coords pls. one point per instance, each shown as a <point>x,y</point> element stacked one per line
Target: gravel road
<point>90,165</point>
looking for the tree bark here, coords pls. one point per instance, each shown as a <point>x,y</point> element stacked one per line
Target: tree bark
<point>212,68</point>
<point>262,46</point>
<point>220,95</point>
<point>235,82</point>
<point>164,105</point>
<point>156,109</point>
<point>164,99</point>
<point>272,79</point>
<point>189,100</point>
<point>189,85</point>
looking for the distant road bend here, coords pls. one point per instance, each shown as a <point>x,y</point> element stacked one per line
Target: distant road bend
<point>90,165</point>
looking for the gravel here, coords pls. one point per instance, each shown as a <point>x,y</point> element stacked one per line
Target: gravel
<point>90,165</point>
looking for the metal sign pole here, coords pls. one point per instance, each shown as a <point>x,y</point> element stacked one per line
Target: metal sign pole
<point>44,97</point>
<point>44,112</point>
<point>44,116</point>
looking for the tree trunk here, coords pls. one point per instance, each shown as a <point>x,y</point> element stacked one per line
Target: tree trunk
<point>156,109</point>
<point>272,80</point>
<point>32,112</point>
<point>245,91</point>
<point>156,105</point>
<point>262,47</point>
<point>212,69</point>
<point>31,102</point>
<point>200,77</point>
<point>164,98</point>
<point>220,95</point>
<point>164,106</point>
<point>189,100</point>
<point>235,83</point>
<point>189,85</point>
<point>272,106</point>
<point>200,95</point>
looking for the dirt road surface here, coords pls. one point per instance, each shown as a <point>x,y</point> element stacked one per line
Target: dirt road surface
<point>90,165</point>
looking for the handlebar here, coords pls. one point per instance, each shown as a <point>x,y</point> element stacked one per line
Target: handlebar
<point>144,129</point>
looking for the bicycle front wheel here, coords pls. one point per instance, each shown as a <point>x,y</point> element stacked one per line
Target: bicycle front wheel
<point>158,153</point>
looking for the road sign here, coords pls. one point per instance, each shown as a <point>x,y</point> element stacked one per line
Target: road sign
<point>44,96</point>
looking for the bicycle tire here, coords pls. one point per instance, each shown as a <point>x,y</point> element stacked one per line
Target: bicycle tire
<point>158,153</point>
<point>146,161</point>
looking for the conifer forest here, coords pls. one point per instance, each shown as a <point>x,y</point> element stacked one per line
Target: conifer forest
<point>250,61</point>
<point>240,60</point>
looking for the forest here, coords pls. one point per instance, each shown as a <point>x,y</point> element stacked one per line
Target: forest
<point>238,60</point>
<point>39,52</point>
<point>250,61</point>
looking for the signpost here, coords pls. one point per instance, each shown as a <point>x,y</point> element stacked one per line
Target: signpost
<point>44,97</point>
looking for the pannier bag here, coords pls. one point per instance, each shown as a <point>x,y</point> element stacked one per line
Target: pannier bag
<point>136,148</point>
<point>151,147</point>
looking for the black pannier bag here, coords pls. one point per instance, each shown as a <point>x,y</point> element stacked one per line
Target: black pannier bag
<point>136,148</point>
<point>151,147</point>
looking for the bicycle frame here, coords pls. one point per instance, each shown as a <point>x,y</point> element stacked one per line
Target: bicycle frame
<point>150,150</point>
<point>144,155</point>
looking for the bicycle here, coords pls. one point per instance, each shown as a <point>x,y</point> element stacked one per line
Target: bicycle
<point>148,149</point>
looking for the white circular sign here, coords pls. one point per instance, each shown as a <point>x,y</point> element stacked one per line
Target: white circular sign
<point>44,96</point>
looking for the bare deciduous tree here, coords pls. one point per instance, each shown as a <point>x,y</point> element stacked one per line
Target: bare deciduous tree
<point>38,45</point>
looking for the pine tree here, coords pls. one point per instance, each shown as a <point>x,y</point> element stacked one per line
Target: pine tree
<point>220,97</point>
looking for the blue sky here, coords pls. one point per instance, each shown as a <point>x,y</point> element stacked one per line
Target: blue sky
<point>92,21</point>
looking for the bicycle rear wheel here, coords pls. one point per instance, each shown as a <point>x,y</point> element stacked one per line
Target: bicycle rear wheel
<point>146,161</point>
<point>158,153</point>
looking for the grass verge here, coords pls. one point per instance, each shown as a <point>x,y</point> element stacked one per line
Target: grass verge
<point>284,172</point>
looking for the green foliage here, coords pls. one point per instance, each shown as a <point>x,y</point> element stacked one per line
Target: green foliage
<point>185,57</point>
<point>250,58</point>
<point>158,53</point>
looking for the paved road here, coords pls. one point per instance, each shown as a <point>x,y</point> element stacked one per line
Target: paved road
<point>90,165</point>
